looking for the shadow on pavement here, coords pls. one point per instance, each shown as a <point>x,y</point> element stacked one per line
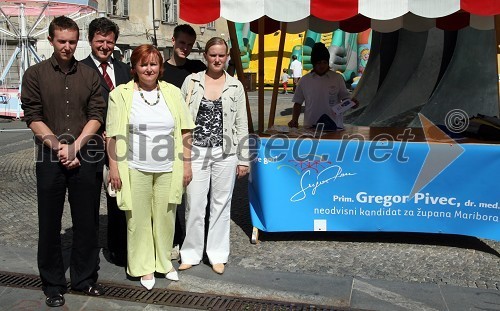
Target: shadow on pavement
<point>449,240</point>
<point>240,209</point>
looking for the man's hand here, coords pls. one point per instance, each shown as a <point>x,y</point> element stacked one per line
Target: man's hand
<point>241,170</point>
<point>356,101</point>
<point>293,123</point>
<point>66,153</point>
<point>72,164</point>
<point>104,138</point>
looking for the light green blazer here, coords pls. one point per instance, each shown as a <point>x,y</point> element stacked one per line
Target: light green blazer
<point>117,123</point>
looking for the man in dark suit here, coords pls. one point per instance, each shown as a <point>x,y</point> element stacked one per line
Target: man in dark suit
<point>102,36</point>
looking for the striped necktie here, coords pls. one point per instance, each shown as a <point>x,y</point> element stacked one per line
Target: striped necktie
<point>107,78</point>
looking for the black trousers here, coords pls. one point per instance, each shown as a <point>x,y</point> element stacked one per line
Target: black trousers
<point>117,230</point>
<point>82,184</point>
<point>179,233</point>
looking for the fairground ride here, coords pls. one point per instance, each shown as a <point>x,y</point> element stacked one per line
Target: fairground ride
<point>22,24</point>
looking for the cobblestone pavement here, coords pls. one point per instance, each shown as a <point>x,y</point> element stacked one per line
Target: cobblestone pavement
<point>429,258</point>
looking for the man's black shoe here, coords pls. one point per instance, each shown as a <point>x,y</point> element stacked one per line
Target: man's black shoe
<point>55,301</point>
<point>94,290</point>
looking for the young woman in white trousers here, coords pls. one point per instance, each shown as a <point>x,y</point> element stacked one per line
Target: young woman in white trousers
<point>219,155</point>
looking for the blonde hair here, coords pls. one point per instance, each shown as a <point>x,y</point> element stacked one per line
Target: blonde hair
<point>216,41</point>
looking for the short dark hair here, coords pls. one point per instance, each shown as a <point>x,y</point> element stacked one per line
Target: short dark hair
<point>103,25</point>
<point>62,22</point>
<point>294,56</point>
<point>184,28</point>
<point>319,52</point>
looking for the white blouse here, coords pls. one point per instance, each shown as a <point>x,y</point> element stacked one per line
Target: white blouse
<point>151,144</point>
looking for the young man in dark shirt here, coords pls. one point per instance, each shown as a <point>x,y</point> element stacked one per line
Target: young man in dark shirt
<point>178,67</point>
<point>64,108</point>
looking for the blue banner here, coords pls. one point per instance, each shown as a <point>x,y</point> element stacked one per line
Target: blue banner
<point>382,185</point>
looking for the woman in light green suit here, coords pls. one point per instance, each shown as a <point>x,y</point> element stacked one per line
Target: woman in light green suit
<point>148,142</point>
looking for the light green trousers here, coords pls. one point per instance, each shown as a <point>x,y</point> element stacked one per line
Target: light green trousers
<point>150,224</point>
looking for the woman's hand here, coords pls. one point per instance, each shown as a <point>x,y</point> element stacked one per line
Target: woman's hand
<point>188,174</point>
<point>187,143</point>
<point>114,178</point>
<point>241,170</point>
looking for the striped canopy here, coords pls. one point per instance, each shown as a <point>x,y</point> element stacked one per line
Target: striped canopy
<point>349,15</point>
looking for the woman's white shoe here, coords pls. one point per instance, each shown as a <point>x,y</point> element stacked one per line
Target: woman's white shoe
<point>172,275</point>
<point>148,284</point>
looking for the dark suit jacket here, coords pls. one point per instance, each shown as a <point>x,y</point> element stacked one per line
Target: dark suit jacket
<point>122,75</point>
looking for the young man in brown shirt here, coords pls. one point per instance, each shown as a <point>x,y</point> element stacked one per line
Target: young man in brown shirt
<point>64,108</point>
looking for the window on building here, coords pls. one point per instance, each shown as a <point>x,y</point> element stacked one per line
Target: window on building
<point>211,25</point>
<point>169,11</point>
<point>118,8</point>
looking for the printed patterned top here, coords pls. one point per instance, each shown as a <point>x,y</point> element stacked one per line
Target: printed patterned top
<point>208,131</point>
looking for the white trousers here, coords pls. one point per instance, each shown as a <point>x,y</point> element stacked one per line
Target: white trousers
<point>217,172</point>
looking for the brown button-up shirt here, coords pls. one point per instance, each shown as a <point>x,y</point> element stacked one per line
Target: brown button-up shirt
<point>65,102</point>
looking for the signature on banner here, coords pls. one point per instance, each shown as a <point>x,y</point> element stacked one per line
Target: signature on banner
<point>329,174</point>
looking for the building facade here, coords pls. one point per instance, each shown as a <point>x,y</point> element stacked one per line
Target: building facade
<point>153,21</point>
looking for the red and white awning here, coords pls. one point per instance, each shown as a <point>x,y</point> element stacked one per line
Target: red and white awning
<point>349,15</point>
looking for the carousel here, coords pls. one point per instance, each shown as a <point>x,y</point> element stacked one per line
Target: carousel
<point>22,23</point>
